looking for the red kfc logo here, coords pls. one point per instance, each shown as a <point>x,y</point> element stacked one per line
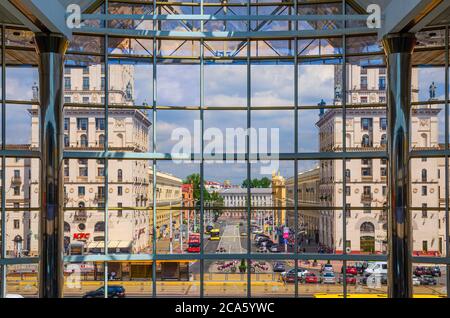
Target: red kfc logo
<point>81,236</point>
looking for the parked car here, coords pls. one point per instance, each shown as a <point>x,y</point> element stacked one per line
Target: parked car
<point>361,267</point>
<point>350,279</point>
<point>264,242</point>
<point>300,273</point>
<point>267,243</point>
<point>374,279</point>
<point>279,267</point>
<point>289,277</point>
<point>14,296</point>
<point>416,280</point>
<point>352,270</point>
<point>328,278</point>
<point>113,292</point>
<point>259,237</point>
<point>276,248</point>
<point>327,268</point>
<point>435,271</point>
<point>262,249</point>
<point>421,270</point>
<point>427,280</point>
<point>376,268</point>
<point>311,278</point>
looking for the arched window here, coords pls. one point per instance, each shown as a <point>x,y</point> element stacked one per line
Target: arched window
<point>101,140</point>
<point>66,141</point>
<point>119,175</point>
<point>383,140</point>
<point>99,226</point>
<point>424,175</point>
<point>66,227</point>
<point>81,204</point>
<point>365,141</point>
<point>367,227</point>
<point>83,141</point>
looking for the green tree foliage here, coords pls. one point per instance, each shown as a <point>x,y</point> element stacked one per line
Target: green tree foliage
<point>257,183</point>
<point>212,200</point>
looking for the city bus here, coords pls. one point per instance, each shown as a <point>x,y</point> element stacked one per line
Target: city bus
<point>215,235</point>
<point>194,243</point>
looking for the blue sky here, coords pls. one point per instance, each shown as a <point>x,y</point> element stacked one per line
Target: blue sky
<point>225,85</point>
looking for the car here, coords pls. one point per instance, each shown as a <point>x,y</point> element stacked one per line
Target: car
<point>266,242</point>
<point>421,270</point>
<point>435,271</point>
<point>289,278</point>
<point>300,272</point>
<point>262,249</point>
<point>208,229</point>
<point>361,267</point>
<point>326,268</point>
<point>114,291</point>
<point>259,237</point>
<point>275,248</point>
<point>14,296</point>
<point>279,267</point>
<point>328,278</point>
<point>311,278</point>
<point>350,279</point>
<point>374,279</point>
<point>416,280</point>
<point>427,280</point>
<point>352,270</point>
<point>376,268</point>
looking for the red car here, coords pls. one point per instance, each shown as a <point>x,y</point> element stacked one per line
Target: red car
<point>351,279</point>
<point>288,278</point>
<point>420,271</point>
<point>311,278</point>
<point>352,270</point>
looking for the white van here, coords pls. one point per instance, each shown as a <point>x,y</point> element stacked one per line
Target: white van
<point>376,268</point>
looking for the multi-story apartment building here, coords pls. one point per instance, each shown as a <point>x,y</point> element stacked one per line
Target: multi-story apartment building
<point>22,183</point>
<point>308,197</point>
<point>129,181</point>
<point>364,197</point>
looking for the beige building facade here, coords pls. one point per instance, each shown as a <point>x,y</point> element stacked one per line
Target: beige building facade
<point>130,190</point>
<point>364,196</point>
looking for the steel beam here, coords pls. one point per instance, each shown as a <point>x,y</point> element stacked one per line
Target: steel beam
<point>51,48</point>
<point>399,48</point>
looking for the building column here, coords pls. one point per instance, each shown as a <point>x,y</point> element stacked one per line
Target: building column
<point>51,49</point>
<point>398,49</point>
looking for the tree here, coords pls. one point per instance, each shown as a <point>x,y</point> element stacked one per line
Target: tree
<point>213,200</point>
<point>257,183</point>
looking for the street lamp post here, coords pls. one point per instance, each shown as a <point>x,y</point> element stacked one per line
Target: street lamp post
<point>170,230</point>
<point>181,230</point>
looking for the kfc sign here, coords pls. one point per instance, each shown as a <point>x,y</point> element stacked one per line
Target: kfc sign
<point>81,236</point>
